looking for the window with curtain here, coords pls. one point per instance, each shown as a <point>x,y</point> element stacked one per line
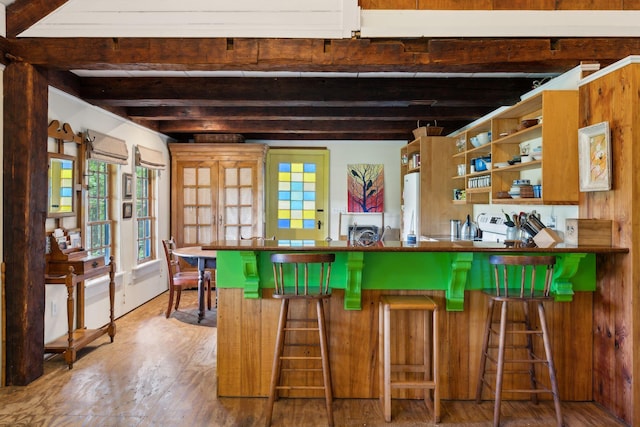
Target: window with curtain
<point>144,213</point>
<point>99,224</point>
<point>148,162</point>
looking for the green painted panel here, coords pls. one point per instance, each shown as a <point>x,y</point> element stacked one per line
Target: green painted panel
<point>453,272</point>
<point>406,270</point>
<point>229,272</point>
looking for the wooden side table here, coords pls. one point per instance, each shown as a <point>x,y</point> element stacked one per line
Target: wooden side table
<point>77,271</point>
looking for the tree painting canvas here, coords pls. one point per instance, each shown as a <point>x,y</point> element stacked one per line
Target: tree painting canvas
<point>365,188</point>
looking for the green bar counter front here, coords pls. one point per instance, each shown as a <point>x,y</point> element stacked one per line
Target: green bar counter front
<point>450,266</point>
<point>450,272</point>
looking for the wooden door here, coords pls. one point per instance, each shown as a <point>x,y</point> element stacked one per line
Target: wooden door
<point>196,197</point>
<point>240,213</point>
<point>297,183</point>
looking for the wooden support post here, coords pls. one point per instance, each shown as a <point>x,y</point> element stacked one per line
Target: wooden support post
<point>25,202</point>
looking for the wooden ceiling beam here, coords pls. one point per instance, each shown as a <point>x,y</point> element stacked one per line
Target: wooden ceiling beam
<point>137,91</point>
<point>22,14</point>
<point>305,113</point>
<point>363,128</point>
<point>353,55</point>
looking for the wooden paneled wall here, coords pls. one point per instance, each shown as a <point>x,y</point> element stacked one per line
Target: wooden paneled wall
<point>246,334</point>
<point>501,4</point>
<point>616,323</point>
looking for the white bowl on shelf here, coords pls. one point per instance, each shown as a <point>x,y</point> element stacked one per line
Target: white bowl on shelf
<point>501,164</point>
<point>484,138</point>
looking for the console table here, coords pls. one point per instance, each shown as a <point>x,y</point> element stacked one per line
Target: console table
<point>71,268</point>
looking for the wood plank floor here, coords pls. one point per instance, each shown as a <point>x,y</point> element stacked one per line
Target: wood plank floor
<point>162,372</point>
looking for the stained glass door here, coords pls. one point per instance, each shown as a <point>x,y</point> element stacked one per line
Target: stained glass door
<point>297,194</point>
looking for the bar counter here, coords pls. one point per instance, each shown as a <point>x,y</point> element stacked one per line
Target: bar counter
<point>451,272</point>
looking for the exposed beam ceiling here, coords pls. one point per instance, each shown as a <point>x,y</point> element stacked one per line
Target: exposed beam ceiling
<point>374,89</point>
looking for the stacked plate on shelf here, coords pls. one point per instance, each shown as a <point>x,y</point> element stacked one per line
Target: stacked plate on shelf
<point>521,188</point>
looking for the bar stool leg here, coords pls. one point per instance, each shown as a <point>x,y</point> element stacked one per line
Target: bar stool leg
<point>530,353</point>
<point>500,366</point>
<point>426,359</point>
<point>381,354</point>
<point>387,364</point>
<point>552,368</point>
<point>485,348</point>
<point>324,354</point>
<point>436,351</point>
<point>277,361</point>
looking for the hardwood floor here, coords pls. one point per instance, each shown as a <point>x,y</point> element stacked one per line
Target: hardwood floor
<point>162,372</point>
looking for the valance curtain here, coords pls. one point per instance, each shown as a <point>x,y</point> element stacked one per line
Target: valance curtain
<point>106,148</point>
<point>149,158</point>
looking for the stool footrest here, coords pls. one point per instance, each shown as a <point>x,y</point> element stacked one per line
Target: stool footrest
<point>411,368</point>
<point>533,390</point>
<point>301,369</point>
<point>300,357</point>
<point>518,331</point>
<point>509,371</point>
<point>299,387</point>
<point>413,384</point>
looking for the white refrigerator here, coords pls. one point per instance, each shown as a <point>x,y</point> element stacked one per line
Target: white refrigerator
<point>411,205</point>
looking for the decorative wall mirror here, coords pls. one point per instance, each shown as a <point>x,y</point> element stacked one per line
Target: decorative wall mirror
<point>61,185</point>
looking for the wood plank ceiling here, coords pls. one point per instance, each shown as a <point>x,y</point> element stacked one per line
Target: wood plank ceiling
<point>294,88</point>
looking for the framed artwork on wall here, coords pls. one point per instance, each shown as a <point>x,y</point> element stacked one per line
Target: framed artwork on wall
<point>127,185</point>
<point>594,156</point>
<point>127,210</point>
<point>365,188</point>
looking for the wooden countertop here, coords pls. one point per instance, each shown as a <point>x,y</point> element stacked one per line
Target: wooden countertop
<point>436,245</point>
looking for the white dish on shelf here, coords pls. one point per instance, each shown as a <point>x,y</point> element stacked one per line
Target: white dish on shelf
<point>537,156</point>
<point>484,138</point>
<point>501,164</point>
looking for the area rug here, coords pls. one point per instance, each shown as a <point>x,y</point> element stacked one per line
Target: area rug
<point>189,314</point>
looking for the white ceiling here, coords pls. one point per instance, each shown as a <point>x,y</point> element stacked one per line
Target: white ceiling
<point>328,19</point>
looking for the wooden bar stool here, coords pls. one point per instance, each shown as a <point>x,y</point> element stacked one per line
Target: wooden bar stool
<point>521,272</point>
<point>429,367</point>
<point>292,274</point>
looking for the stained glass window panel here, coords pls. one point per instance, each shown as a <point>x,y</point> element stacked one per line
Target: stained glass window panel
<point>296,195</point>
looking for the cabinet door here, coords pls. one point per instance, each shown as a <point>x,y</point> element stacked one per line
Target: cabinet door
<point>196,198</point>
<point>239,200</point>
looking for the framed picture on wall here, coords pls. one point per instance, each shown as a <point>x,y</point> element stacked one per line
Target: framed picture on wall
<point>594,156</point>
<point>127,210</point>
<point>127,185</point>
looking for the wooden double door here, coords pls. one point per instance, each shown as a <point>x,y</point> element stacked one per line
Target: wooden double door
<point>216,192</point>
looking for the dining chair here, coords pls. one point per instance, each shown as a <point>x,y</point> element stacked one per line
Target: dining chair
<point>179,280</point>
